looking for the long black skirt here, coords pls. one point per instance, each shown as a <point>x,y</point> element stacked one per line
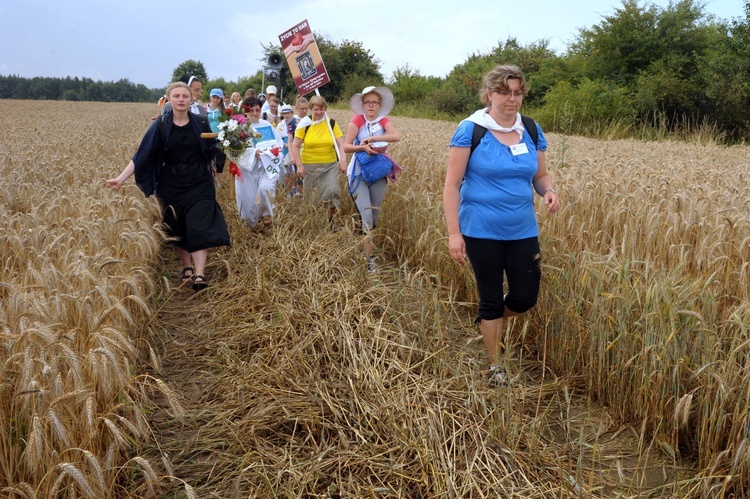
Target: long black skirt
<point>193,219</point>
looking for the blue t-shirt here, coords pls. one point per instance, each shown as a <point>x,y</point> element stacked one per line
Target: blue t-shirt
<point>497,198</point>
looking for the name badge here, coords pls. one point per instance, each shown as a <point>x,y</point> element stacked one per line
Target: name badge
<point>519,149</point>
<point>373,129</point>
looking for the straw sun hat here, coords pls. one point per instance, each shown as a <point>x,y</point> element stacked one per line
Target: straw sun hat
<point>386,100</point>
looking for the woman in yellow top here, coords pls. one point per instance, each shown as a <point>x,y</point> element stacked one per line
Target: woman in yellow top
<point>319,163</point>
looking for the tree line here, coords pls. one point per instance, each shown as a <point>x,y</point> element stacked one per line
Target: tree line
<point>675,68</point>
<point>75,89</point>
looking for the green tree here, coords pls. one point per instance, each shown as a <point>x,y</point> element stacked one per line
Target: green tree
<point>655,55</point>
<point>725,74</point>
<point>620,47</point>
<point>191,67</point>
<point>531,58</point>
<point>225,86</point>
<point>584,107</point>
<point>459,94</point>
<point>410,87</point>
<point>351,68</point>
<point>255,82</point>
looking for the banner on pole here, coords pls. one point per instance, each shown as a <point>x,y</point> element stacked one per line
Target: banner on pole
<point>303,57</point>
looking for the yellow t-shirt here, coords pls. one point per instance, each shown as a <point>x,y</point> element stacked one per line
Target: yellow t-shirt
<point>318,144</point>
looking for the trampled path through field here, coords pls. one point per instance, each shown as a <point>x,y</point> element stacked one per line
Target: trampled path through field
<point>197,447</point>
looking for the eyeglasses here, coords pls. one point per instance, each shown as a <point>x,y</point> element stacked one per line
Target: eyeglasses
<point>518,94</point>
<point>371,102</point>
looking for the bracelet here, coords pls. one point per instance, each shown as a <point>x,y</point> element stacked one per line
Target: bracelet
<point>549,190</point>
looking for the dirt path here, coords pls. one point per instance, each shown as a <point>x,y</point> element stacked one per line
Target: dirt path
<point>178,326</point>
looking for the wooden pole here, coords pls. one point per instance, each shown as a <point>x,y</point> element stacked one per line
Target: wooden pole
<point>330,129</point>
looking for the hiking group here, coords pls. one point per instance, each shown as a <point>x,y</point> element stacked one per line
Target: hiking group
<point>496,162</point>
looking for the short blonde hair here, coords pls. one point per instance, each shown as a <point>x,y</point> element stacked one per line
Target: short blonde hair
<point>318,100</point>
<point>177,84</point>
<point>497,79</point>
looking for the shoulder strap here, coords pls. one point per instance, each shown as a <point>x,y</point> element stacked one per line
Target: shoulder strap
<point>164,128</point>
<point>476,136</point>
<point>528,123</point>
<point>530,126</point>
<point>333,122</point>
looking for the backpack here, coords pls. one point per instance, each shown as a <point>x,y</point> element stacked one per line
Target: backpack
<point>293,126</point>
<point>528,124</point>
<point>164,127</point>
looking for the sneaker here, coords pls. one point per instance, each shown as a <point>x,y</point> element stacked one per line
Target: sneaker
<point>498,377</point>
<point>372,267</point>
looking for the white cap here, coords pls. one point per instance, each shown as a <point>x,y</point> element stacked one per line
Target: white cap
<point>270,89</point>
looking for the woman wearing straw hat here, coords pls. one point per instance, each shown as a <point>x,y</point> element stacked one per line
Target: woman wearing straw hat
<point>368,134</point>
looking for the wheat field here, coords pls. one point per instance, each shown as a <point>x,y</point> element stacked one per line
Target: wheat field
<point>298,374</point>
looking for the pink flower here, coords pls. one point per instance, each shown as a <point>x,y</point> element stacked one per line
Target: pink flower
<point>240,118</point>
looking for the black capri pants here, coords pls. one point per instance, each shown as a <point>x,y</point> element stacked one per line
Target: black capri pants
<point>519,261</point>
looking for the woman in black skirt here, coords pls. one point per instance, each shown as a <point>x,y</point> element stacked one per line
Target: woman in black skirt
<point>174,162</point>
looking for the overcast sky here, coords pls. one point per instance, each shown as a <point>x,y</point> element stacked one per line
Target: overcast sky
<point>144,41</point>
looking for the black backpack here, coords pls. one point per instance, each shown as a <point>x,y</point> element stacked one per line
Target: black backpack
<point>528,123</point>
<point>333,122</point>
<point>165,124</point>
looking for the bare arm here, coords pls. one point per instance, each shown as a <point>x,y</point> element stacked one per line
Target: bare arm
<point>351,134</point>
<point>342,153</point>
<point>458,158</point>
<point>391,135</point>
<point>116,183</point>
<point>543,184</point>
<point>297,157</point>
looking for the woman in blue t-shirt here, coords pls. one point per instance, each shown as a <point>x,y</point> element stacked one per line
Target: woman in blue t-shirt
<point>488,201</point>
<point>215,111</point>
